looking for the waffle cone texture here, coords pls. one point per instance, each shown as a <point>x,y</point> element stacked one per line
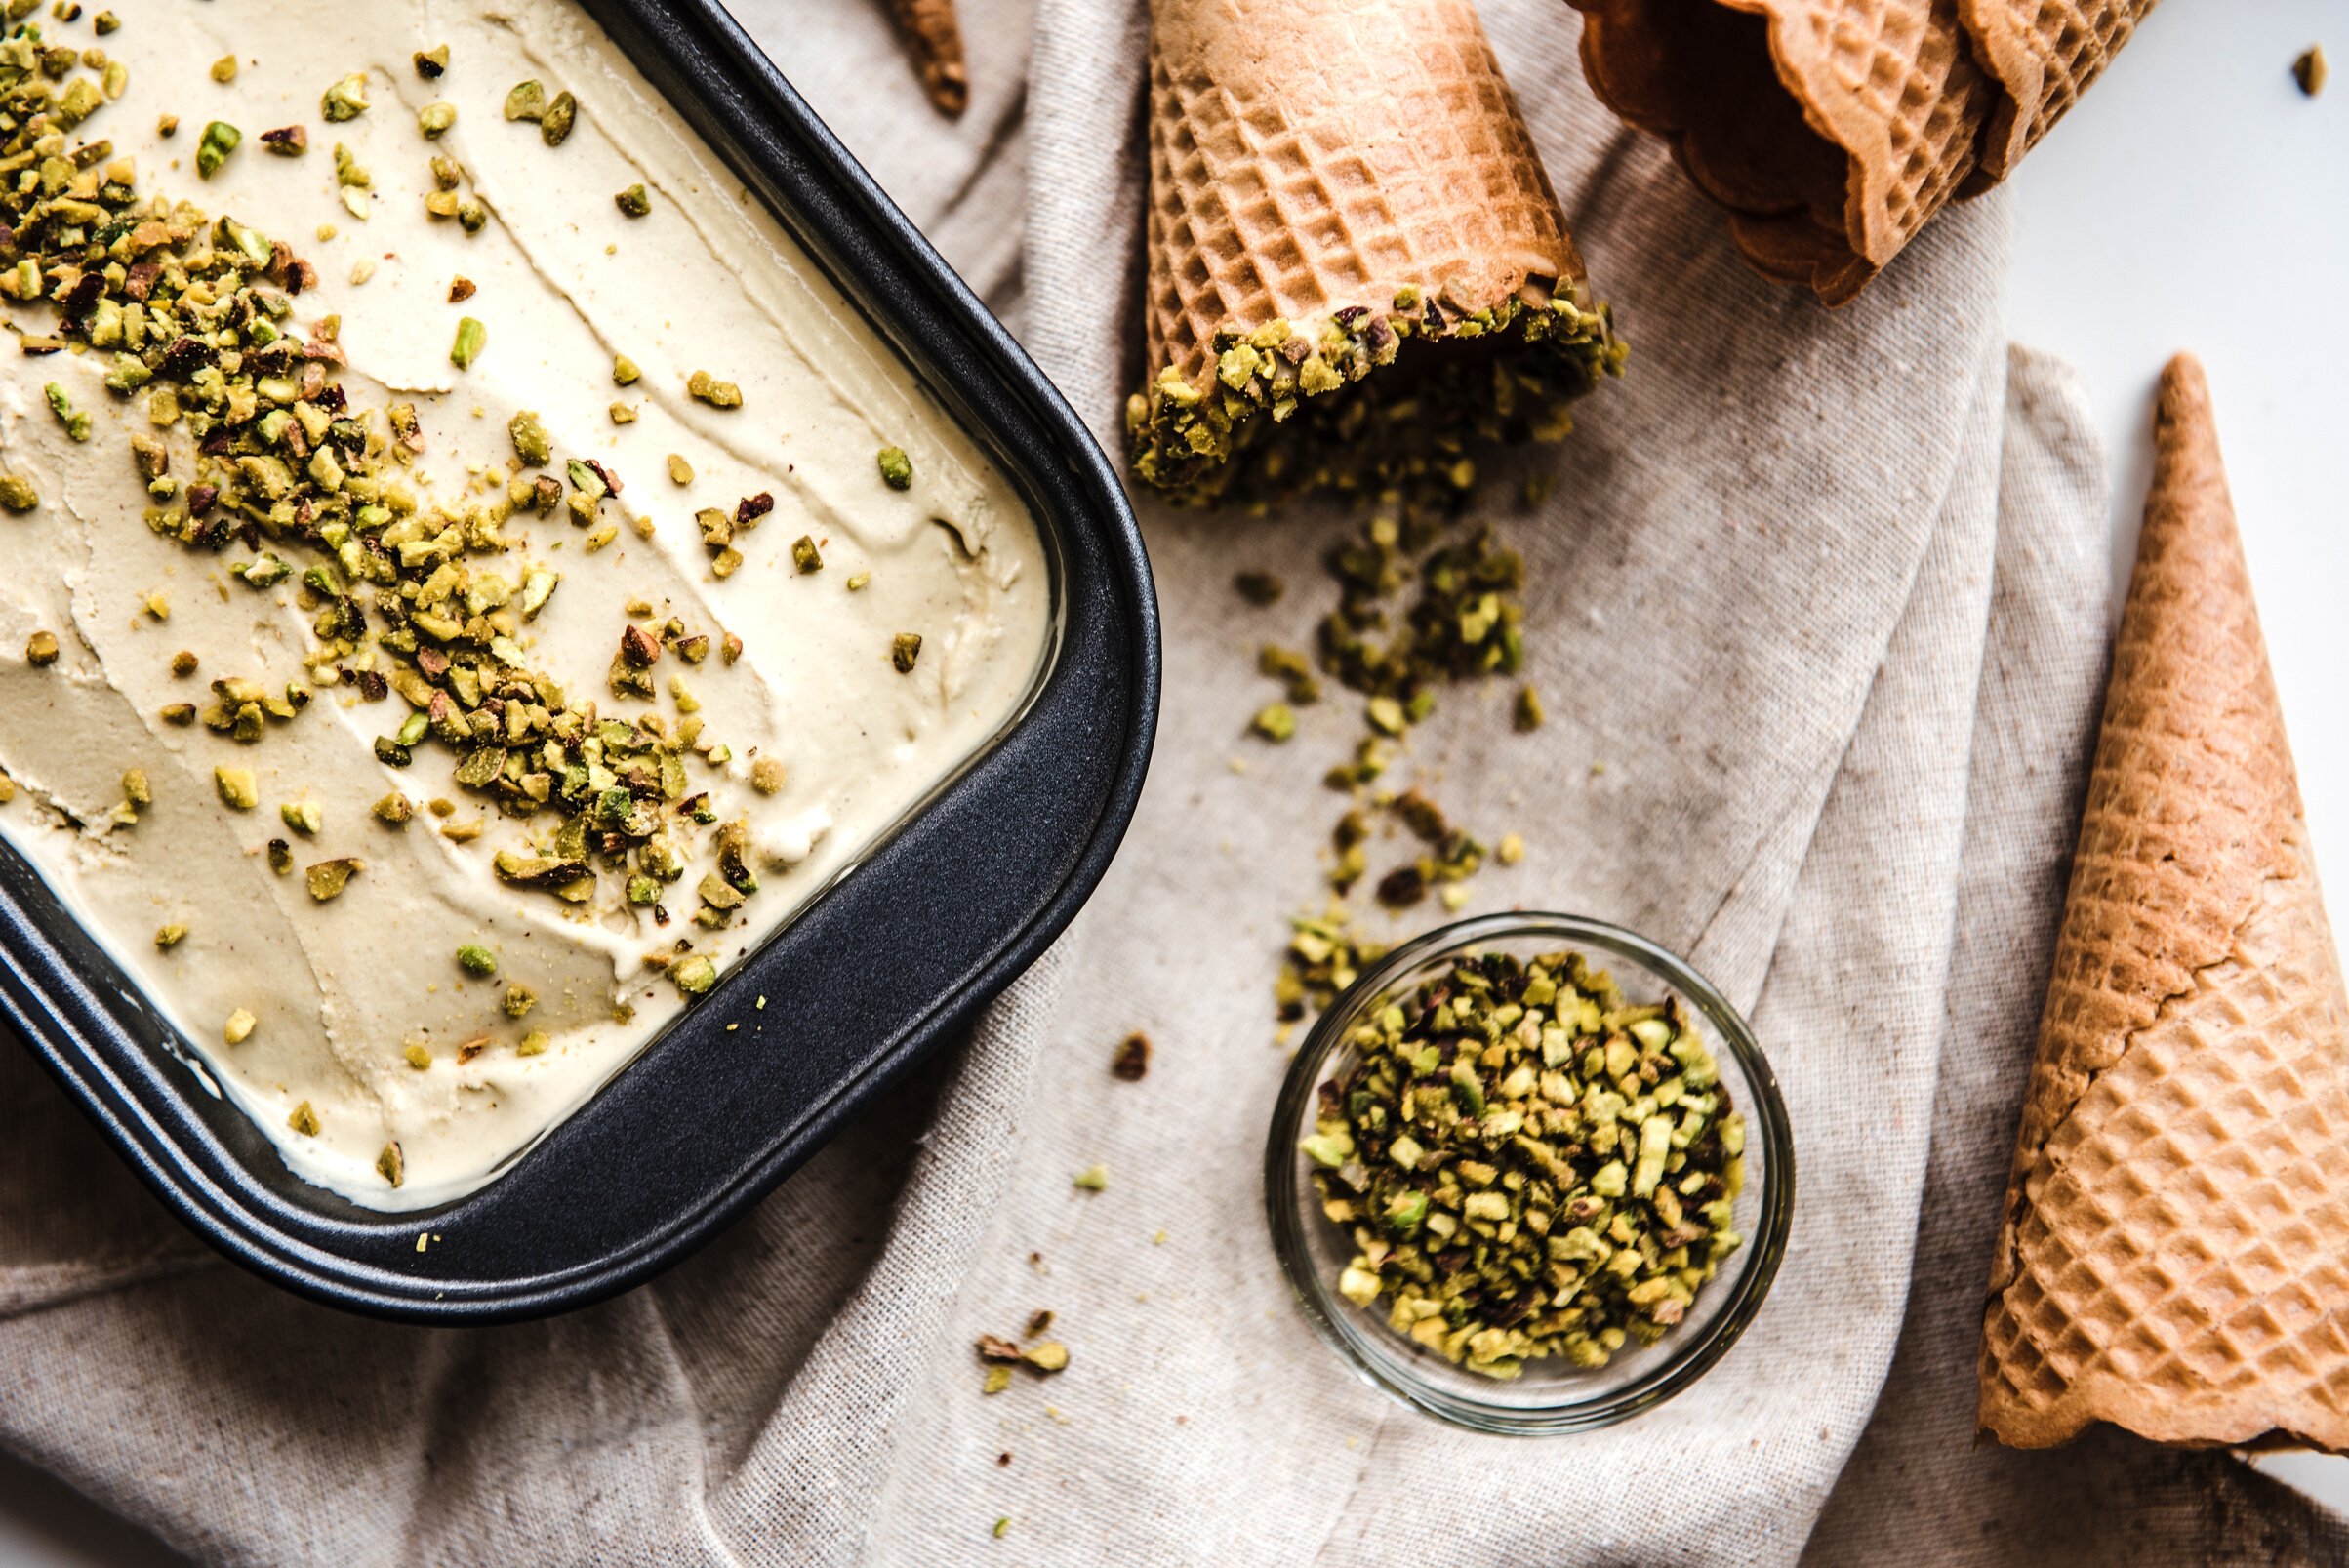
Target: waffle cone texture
<point>1331,183</point>
<point>2174,1257</point>
<point>1832,130</point>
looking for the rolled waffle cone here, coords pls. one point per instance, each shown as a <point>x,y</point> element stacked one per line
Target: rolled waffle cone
<point>1336,185</point>
<point>1834,129</point>
<point>2174,1258</point>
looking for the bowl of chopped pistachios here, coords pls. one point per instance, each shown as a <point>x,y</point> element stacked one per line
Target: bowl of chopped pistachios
<point>1530,1174</point>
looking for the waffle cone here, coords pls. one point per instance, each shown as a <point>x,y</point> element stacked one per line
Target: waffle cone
<point>1834,129</point>
<point>1331,183</point>
<point>2176,1248</point>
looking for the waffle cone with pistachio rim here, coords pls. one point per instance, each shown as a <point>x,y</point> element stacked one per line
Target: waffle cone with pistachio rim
<point>1356,266</point>
<point>1833,131</point>
<point>2176,1250</point>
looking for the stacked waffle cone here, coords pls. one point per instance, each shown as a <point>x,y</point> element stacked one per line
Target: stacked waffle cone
<point>2174,1258</point>
<point>1337,187</point>
<point>1834,129</point>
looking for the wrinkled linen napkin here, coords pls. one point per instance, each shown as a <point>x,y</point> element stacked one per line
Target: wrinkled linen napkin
<point>1819,607</point>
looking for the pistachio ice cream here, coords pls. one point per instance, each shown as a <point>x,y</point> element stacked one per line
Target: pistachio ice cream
<point>465,576</point>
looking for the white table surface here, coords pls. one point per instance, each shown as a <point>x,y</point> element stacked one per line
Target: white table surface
<point>2194,200</point>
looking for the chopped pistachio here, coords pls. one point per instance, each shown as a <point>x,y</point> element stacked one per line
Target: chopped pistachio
<point>476,960</point>
<point>419,1057</point>
<point>532,444</point>
<point>395,809</point>
<point>237,787</point>
<point>694,975</point>
<point>767,776</point>
<point>1528,712</point>
<point>17,493</point>
<point>1002,1526</point>
<point>622,413</point>
<point>286,141</point>
<point>304,1121</point>
<point>857,583</point>
<point>1511,850</point>
<point>1131,1062</point>
<point>327,879</point>
<point>390,1165</point>
<point>904,649</point>
<point>281,857</point>
<point>432,64</point>
<point>170,936</point>
<point>533,1043</point>
<point>433,120</point>
<point>184,662</point>
<point>76,421</point>
<point>1259,587</point>
<point>167,126</point>
<point>239,1027</point>
<point>1049,1356</point>
<point>554,126</point>
<point>1274,721</point>
<point>1092,1179</point>
<point>104,23</point>
<point>633,201</point>
<point>470,336</point>
<point>519,1000</point>
<point>706,388</point>
<point>180,714</point>
<point>460,289</point>
<point>805,556</point>
<point>680,473</point>
<point>347,99</point>
<point>896,470</point>
<point>526,102</point>
<point>998,1378</point>
<point>626,374</point>
<point>41,648</point>
<point>302,816</point>
<point>224,69</point>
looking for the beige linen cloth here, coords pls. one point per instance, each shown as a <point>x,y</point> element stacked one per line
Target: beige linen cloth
<point>1820,608</point>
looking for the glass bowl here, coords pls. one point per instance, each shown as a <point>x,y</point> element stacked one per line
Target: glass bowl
<point>1550,1395</point>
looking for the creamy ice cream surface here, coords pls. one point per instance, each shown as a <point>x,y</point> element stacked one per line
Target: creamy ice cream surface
<point>467,576</point>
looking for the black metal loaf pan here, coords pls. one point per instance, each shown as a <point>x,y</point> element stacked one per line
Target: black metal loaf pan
<point>869,978</point>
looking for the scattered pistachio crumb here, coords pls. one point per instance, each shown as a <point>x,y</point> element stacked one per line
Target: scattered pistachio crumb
<point>805,556</point>
<point>158,605</point>
<point>394,808</point>
<point>476,960</point>
<point>17,493</point>
<point>519,1000</point>
<point>302,816</point>
<point>237,787</point>
<point>361,270</point>
<point>41,648</point>
<point>904,649</point>
<point>767,776</point>
<point>554,126</point>
<point>434,120</point>
<point>534,1043</point>
<point>1259,587</point>
<point>633,201</point>
<point>998,1378</point>
<point>305,1120</point>
<point>896,470</point>
<point>1002,1527</point>
<point>239,1027</point>
<point>526,102</point>
<point>281,857</point>
<point>1131,1062</point>
<point>327,879</point>
<point>432,64</point>
<point>623,413</point>
<point>224,69</point>
<point>1511,850</point>
<point>626,374</point>
<point>419,1057</point>
<point>856,583</point>
<point>1093,1178</point>
<point>680,473</point>
<point>390,1165</point>
<point>1529,712</point>
<point>470,336</point>
<point>708,388</point>
<point>170,936</point>
<point>76,421</point>
<point>1274,721</point>
<point>695,975</point>
<point>347,99</point>
<point>1049,1356</point>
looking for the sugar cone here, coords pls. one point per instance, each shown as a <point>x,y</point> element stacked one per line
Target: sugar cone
<point>2174,1258</point>
<point>1835,130</point>
<point>1334,186</point>
<point>2042,54</point>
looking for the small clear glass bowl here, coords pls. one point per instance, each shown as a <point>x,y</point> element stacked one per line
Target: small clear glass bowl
<point>1550,1394</point>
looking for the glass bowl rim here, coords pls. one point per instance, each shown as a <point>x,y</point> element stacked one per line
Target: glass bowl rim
<point>1766,1126</point>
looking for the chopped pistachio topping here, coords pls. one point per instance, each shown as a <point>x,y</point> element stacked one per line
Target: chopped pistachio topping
<point>1528,714</point>
<point>1274,721</point>
<point>76,423</point>
<point>896,470</point>
<point>224,69</point>
<point>419,1057</point>
<point>708,388</point>
<point>476,960</point>
<point>534,1043</point>
<point>390,1165</point>
<point>470,336</point>
<point>239,1027</point>
<point>519,1000</point>
<point>904,649</point>
<point>768,776</point>
<point>1290,409</point>
<point>170,935</point>
<point>554,126</point>
<point>1529,1165</point>
<point>304,1121</point>
<point>432,64</point>
<point>41,648</point>
<point>17,493</point>
<point>434,120</point>
<point>395,809</point>
<point>526,102</point>
<point>1092,1179</point>
<point>998,1378</point>
<point>286,141</point>
<point>281,857</point>
<point>633,201</point>
<point>237,787</point>
<point>327,879</point>
<point>347,99</point>
<point>1131,1061</point>
<point>805,556</point>
<point>302,816</point>
<point>1511,850</point>
<point>680,473</point>
<point>532,444</point>
<point>694,975</point>
<point>626,374</point>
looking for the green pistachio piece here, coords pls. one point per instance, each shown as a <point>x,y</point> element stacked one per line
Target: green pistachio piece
<point>706,388</point>
<point>904,649</point>
<point>347,99</point>
<point>433,120</point>
<point>694,975</point>
<point>237,787</point>
<point>476,960</point>
<point>532,444</point>
<point>896,470</point>
<point>805,556</point>
<point>633,201</point>
<point>327,879</point>
<point>76,423</point>
<point>432,64</point>
<point>527,101</point>
<point>470,336</point>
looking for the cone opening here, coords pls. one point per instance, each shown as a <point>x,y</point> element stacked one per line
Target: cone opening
<point>1369,401</point>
